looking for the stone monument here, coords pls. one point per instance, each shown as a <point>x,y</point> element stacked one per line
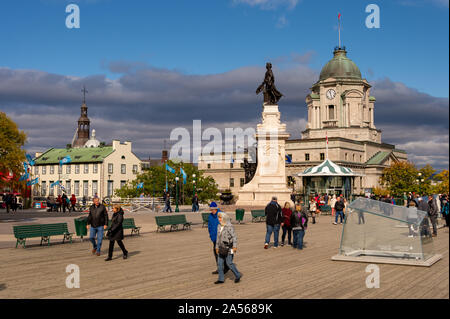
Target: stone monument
<point>271,135</point>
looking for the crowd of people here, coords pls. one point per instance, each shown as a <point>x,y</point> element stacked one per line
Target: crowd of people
<point>10,201</point>
<point>61,203</point>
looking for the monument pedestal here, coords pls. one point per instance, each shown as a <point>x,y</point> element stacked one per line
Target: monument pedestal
<point>270,175</point>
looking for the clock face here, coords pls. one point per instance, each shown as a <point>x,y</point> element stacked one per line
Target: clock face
<point>331,94</point>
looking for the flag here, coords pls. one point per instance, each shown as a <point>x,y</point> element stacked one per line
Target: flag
<point>288,159</point>
<point>25,166</point>
<point>29,159</point>
<point>65,160</point>
<point>339,16</point>
<point>167,186</point>
<point>32,182</point>
<point>140,185</point>
<point>62,187</point>
<point>170,169</point>
<point>54,184</point>
<point>184,175</point>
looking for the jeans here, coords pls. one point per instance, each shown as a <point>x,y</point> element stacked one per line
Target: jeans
<point>227,261</point>
<point>433,220</point>
<point>195,207</point>
<point>275,229</point>
<point>111,247</point>
<point>216,258</point>
<point>298,238</point>
<point>288,230</point>
<point>361,218</point>
<point>341,216</point>
<point>96,231</point>
<point>167,208</point>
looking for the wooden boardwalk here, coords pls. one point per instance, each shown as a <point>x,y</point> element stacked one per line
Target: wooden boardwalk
<point>179,265</point>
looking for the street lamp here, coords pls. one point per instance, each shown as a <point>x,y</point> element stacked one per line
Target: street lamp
<point>176,198</point>
<point>193,182</point>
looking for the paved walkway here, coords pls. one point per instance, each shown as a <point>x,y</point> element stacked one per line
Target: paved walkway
<point>179,265</point>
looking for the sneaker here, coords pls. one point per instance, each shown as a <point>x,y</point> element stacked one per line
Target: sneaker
<point>410,236</point>
<point>282,244</point>
<point>275,247</point>
<point>266,246</point>
<point>334,223</point>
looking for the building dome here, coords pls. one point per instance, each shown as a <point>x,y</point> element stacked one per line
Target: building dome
<point>340,67</point>
<point>92,142</point>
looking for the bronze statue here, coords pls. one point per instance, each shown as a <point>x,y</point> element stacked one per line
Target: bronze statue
<point>250,168</point>
<point>271,94</point>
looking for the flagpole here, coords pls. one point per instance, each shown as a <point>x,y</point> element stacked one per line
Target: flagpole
<point>339,21</point>
<point>327,144</point>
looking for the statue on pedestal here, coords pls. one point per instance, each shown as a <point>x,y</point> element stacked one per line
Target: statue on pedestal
<point>271,94</point>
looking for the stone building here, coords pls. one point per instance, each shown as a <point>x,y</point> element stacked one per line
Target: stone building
<point>341,113</point>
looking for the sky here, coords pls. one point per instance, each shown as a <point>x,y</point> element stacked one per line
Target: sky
<point>151,66</point>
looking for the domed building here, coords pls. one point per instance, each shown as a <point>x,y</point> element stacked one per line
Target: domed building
<point>92,142</point>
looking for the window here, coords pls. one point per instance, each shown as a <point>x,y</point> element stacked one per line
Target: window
<point>307,157</point>
<point>231,182</point>
<point>231,165</point>
<point>68,168</point>
<point>353,157</point>
<point>360,158</point>
<point>94,187</point>
<point>52,190</point>
<point>76,186</point>
<point>77,169</point>
<point>123,168</point>
<point>322,156</point>
<point>59,169</point>
<point>110,168</point>
<point>52,169</point>
<point>346,156</point>
<point>110,188</point>
<point>36,170</point>
<point>209,165</point>
<point>95,169</point>
<point>135,169</point>
<point>122,183</point>
<point>86,168</point>
<point>331,112</point>
<point>68,190</point>
<point>44,188</point>
<point>85,188</point>
<point>44,170</point>
<point>242,182</point>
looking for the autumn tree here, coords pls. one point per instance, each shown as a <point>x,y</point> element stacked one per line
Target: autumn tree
<point>400,178</point>
<point>442,186</point>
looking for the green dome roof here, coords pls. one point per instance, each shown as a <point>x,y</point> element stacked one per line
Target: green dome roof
<point>340,67</point>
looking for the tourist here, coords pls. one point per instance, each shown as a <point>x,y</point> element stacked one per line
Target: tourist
<point>313,209</point>
<point>14,203</point>
<point>339,208</point>
<point>195,206</point>
<point>213,222</point>
<point>64,202</point>
<point>326,198</point>
<point>73,201</point>
<point>167,207</point>
<point>332,203</point>
<point>97,221</point>
<point>226,247</point>
<point>287,212</point>
<point>423,205</point>
<point>274,218</point>
<point>433,213</point>
<point>115,232</point>
<point>299,222</point>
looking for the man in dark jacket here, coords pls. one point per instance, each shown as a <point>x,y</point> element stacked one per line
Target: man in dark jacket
<point>213,223</point>
<point>274,218</point>
<point>97,221</point>
<point>195,203</point>
<point>299,223</point>
<point>433,213</point>
<point>339,209</point>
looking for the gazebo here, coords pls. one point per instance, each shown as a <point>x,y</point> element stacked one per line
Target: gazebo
<point>328,178</point>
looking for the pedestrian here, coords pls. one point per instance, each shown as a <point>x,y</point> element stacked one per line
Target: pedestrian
<point>299,223</point>
<point>14,203</point>
<point>64,202</point>
<point>274,218</point>
<point>433,213</point>
<point>339,208</point>
<point>115,232</point>
<point>445,210</point>
<point>213,222</point>
<point>97,222</point>
<point>73,201</point>
<point>332,203</point>
<point>312,209</point>
<point>59,203</point>
<point>195,206</point>
<point>167,207</point>
<point>226,247</point>
<point>287,212</point>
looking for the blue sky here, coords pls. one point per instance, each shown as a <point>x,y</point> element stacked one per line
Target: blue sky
<point>210,37</point>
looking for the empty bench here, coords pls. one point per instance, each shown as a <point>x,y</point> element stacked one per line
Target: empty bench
<point>173,221</point>
<point>45,231</point>
<point>258,215</point>
<point>128,223</point>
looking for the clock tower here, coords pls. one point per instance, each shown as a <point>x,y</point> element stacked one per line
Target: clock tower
<point>340,104</point>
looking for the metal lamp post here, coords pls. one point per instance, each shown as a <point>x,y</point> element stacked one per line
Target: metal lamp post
<point>193,182</point>
<point>176,198</point>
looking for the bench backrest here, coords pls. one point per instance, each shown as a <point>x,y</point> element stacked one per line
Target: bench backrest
<point>205,217</point>
<point>54,229</point>
<point>162,220</point>
<point>128,222</point>
<point>178,219</point>
<point>258,212</point>
<point>27,231</point>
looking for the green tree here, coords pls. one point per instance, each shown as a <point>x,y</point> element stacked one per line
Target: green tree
<point>426,172</point>
<point>11,153</point>
<point>400,178</point>
<point>442,186</point>
<point>154,180</point>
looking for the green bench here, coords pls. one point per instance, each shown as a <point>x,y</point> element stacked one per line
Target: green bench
<point>258,215</point>
<point>205,217</point>
<point>128,223</point>
<point>45,231</point>
<point>173,221</point>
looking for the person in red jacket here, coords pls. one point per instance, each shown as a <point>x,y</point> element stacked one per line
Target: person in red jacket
<point>73,201</point>
<point>59,203</point>
<point>287,212</point>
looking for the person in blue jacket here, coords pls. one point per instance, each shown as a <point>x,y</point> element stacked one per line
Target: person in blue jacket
<point>213,222</point>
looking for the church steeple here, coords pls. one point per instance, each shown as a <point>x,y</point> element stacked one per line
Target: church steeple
<point>83,129</point>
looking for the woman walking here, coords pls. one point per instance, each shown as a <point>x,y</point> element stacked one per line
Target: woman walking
<point>312,209</point>
<point>299,223</point>
<point>287,212</point>
<point>332,203</point>
<point>115,233</point>
<point>226,247</point>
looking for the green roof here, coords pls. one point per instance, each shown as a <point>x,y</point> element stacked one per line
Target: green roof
<point>372,98</point>
<point>378,158</point>
<point>315,96</point>
<point>77,155</point>
<point>340,67</point>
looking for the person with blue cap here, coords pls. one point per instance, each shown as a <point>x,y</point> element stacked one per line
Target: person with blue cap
<point>213,222</point>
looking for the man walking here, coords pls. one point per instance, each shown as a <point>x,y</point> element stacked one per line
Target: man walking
<point>97,222</point>
<point>274,218</point>
<point>433,213</point>
<point>339,208</point>
<point>213,222</point>
<point>167,207</point>
<point>195,206</point>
